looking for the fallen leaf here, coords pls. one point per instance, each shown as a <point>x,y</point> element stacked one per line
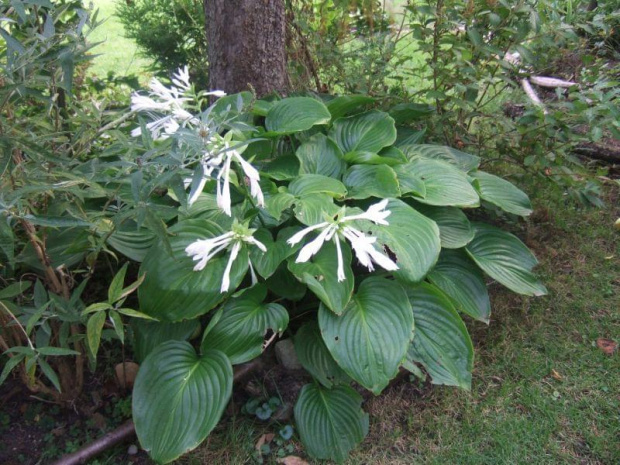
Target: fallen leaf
<point>264,439</point>
<point>607,345</point>
<point>292,460</point>
<point>556,375</point>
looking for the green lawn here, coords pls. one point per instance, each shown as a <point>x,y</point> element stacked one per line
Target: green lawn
<point>116,52</point>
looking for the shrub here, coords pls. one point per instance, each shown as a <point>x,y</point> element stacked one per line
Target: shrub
<point>318,219</point>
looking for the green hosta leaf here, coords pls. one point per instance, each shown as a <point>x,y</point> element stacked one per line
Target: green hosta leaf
<point>320,275</point>
<point>313,209</point>
<point>406,136</point>
<point>405,113</point>
<point>296,114</point>
<point>178,398</point>
<point>346,104</point>
<point>445,185</point>
<point>371,158</point>
<point>412,238</point>
<point>283,168</point>
<point>331,422</point>
<point>205,207</point>
<point>276,203</point>
<point>149,334</point>
<point>65,247</point>
<point>463,161</point>
<point>365,181</point>
<point>315,357</point>
<point>409,181</point>
<point>240,326</point>
<point>309,184</point>
<point>266,263</point>
<point>284,284</point>
<point>454,228</point>
<point>502,193</point>
<point>172,290</point>
<point>506,259</point>
<point>321,155</point>
<point>370,339</point>
<point>462,281</point>
<point>441,341</point>
<point>131,243</point>
<point>394,153</point>
<point>368,132</point>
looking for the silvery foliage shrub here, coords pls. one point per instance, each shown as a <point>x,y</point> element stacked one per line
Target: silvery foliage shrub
<point>318,219</point>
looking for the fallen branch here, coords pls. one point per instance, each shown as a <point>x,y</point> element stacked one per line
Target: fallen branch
<point>599,152</point>
<point>127,430</point>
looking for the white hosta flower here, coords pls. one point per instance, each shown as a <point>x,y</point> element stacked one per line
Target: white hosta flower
<point>363,245</point>
<point>223,181</point>
<point>203,250</point>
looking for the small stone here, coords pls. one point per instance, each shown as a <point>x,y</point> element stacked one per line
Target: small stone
<point>286,355</point>
<point>284,413</point>
<point>132,450</point>
<point>126,371</point>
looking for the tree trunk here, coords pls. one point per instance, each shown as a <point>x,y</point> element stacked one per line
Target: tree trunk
<point>246,41</point>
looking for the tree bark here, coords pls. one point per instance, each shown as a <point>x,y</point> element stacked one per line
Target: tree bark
<point>246,42</point>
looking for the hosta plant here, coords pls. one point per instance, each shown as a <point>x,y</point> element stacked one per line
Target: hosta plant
<point>319,220</point>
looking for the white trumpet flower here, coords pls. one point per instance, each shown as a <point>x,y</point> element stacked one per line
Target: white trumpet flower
<point>338,230</point>
<point>203,250</point>
<point>223,181</point>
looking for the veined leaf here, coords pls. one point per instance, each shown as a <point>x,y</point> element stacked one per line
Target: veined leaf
<point>296,114</point>
<point>441,343</point>
<point>461,280</point>
<point>321,155</point>
<point>178,398</point>
<point>346,104</point>
<point>331,422</point>
<point>309,184</point>
<point>412,238</point>
<point>365,181</point>
<point>370,339</point>
<point>149,334</point>
<point>368,132</point>
<point>315,357</point>
<point>463,161</point>
<point>321,276</point>
<point>502,193</point>
<point>455,229</point>
<point>266,263</point>
<point>506,259</point>
<point>240,329</point>
<point>172,290</point>
<point>444,184</point>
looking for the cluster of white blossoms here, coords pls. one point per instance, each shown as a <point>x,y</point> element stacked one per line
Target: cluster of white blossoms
<point>341,229</point>
<point>167,108</point>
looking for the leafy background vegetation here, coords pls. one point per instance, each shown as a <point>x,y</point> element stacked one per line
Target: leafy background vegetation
<point>543,390</point>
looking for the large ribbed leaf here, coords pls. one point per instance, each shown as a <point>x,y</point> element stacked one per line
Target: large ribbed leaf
<point>315,357</point>
<point>321,155</point>
<point>131,243</point>
<point>463,161</point>
<point>266,263</point>
<point>461,280</point>
<point>239,327</point>
<point>309,184</point>
<point>346,104</point>
<point>444,184</point>
<point>172,290</point>
<point>371,337</point>
<point>296,114</point>
<point>408,181</point>
<point>368,132</point>
<point>321,276</point>
<point>312,209</point>
<point>412,239</point>
<point>405,113</point>
<point>331,422</point>
<point>506,259</point>
<point>178,398</point>
<point>502,193</point>
<point>441,343</point>
<point>365,181</point>
<point>454,228</point>
<point>149,334</point>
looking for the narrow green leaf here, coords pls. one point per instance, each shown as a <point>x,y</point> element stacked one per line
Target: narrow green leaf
<point>94,327</point>
<point>9,366</point>
<point>115,290</point>
<point>49,373</point>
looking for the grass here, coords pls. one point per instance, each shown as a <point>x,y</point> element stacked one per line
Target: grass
<point>116,53</point>
<point>543,392</point>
